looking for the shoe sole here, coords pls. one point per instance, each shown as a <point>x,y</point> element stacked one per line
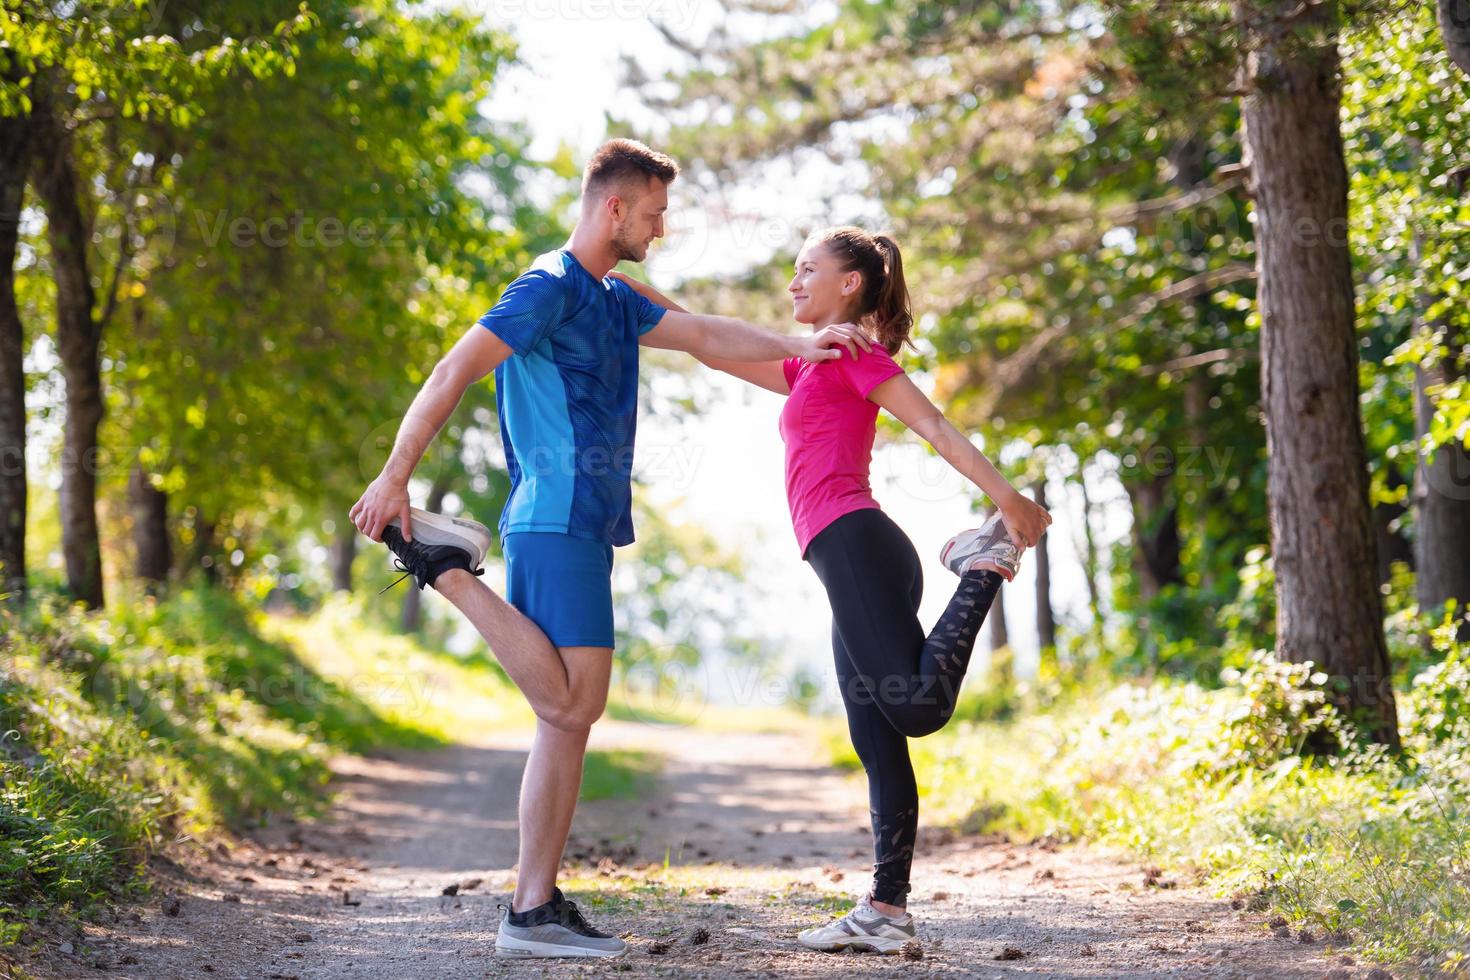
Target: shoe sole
<point>529,949</point>
<point>437,529</point>
<point>967,539</point>
<point>872,944</point>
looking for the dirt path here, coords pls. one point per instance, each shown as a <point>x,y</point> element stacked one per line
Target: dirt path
<point>747,839</point>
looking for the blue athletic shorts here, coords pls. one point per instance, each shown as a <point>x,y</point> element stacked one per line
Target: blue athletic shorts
<point>563,585</point>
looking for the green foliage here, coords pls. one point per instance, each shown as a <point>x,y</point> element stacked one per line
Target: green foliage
<point>1280,709</point>
<point>619,774</point>
<point>310,282</point>
<point>123,731</point>
<point>993,695</point>
<point>1363,848</point>
<point>126,54</point>
<point>1437,706</point>
<point>1079,250</point>
<point>298,210</point>
<point>1405,124</point>
<point>679,600</point>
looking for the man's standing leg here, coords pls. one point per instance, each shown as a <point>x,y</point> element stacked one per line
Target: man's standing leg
<point>553,780</point>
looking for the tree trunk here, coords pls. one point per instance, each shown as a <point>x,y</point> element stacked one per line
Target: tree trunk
<point>15,141</point>
<point>1328,607</point>
<point>999,638</point>
<point>1155,534</point>
<point>344,550</point>
<point>1046,624</point>
<point>78,335</point>
<point>413,598</point>
<point>1390,544</point>
<point>1454,24</point>
<point>1089,556</point>
<point>149,507</point>
<point>201,551</point>
<point>1442,502</point>
<point>1441,479</point>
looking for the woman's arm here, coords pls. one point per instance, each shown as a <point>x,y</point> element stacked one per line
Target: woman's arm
<point>1025,519</point>
<point>765,374</point>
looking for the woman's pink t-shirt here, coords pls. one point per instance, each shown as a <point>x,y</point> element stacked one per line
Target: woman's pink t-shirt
<point>828,425</point>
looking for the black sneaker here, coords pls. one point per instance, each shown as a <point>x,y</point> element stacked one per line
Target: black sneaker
<point>554,929</point>
<point>439,544</point>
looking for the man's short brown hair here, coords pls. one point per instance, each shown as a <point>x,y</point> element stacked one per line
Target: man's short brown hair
<point>620,160</point>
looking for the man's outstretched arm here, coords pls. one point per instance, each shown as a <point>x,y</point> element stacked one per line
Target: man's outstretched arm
<point>739,348</point>
<point>476,354</point>
<point>736,340</point>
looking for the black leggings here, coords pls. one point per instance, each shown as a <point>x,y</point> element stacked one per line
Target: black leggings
<point>896,682</point>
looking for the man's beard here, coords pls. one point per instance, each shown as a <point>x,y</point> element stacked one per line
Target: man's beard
<point>628,250</point>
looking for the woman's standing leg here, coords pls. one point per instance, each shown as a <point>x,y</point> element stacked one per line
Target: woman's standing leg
<point>893,795</point>
<point>878,922</point>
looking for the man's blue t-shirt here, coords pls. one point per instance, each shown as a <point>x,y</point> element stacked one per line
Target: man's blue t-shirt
<point>568,399</point>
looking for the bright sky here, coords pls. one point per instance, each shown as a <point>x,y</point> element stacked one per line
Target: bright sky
<point>728,475</point>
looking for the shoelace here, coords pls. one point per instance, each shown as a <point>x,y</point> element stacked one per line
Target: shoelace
<point>415,564</point>
<point>574,921</point>
<point>399,566</point>
<point>567,914</point>
<point>407,571</point>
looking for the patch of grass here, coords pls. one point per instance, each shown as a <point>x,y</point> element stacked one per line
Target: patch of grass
<point>121,731</point>
<point>637,706</point>
<point>670,886</point>
<point>1367,850</point>
<point>619,774</point>
<point>838,745</point>
<point>442,696</point>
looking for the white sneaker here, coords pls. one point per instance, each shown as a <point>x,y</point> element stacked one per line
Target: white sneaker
<point>554,930</point>
<point>458,532</point>
<point>987,546</point>
<point>438,543</point>
<point>862,928</point>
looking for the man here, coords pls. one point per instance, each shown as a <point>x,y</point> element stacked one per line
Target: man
<point>563,343</point>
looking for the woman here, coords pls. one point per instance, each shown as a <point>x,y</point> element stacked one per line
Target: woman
<point>896,683</point>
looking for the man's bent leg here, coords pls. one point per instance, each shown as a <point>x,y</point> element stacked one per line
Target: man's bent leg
<point>553,779</point>
<point>533,663</point>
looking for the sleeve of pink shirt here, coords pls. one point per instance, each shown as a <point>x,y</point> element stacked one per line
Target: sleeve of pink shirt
<point>789,367</point>
<point>871,369</point>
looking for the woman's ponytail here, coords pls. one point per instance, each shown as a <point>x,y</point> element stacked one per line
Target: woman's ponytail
<point>884,307</point>
<point>893,317</point>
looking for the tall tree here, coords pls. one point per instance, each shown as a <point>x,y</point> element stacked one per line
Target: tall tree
<point>309,288</point>
<point>15,146</point>
<point>97,71</point>
<point>1046,624</point>
<point>1000,637</point>
<point>1441,487</point>
<point>151,544</point>
<point>413,599</point>
<point>78,335</point>
<point>1328,606</point>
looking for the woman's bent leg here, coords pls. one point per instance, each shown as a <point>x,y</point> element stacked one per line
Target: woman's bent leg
<point>874,582</point>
